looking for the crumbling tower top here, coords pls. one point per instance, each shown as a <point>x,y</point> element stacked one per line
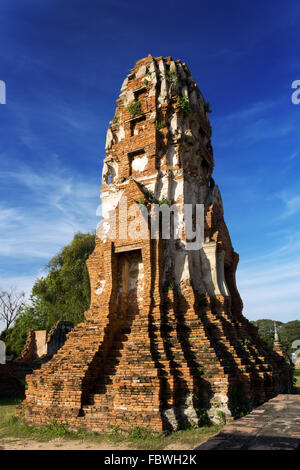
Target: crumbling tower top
<point>159,106</point>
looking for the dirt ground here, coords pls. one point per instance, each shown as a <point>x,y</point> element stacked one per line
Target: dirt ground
<point>12,443</point>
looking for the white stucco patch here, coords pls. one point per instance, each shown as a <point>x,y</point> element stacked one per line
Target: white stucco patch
<point>152,70</point>
<point>141,71</point>
<point>101,288</point>
<point>178,189</point>
<point>105,227</point>
<point>139,164</point>
<point>181,271</point>
<point>172,156</point>
<point>173,124</point>
<point>163,83</point>
<point>127,97</point>
<point>162,188</point>
<point>120,133</point>
<point>110,202</point>
<point>109,139</point>
<point>150,187</point>
<point>148,177</point>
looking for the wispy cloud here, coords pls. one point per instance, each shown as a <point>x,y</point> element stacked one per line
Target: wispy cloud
<point>291,203</point>
<point>294,155</point>
<point>254,123</point>
<point>270,284</point>
<point>253,110</point>
<point>55,205</point>
<point>226,54</point>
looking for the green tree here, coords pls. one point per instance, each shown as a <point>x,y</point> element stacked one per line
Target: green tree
<point>266,330</point>
<point>65,291</point>
<point>288,333</point>
<point>63,294</point>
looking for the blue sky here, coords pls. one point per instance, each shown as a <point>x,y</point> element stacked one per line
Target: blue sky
<point>63,63</point>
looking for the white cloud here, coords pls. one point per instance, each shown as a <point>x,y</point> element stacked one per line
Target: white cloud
<point>55,205</point>
<point>21,283</point>
<point>253,110</point>
<point>294,155</point>
<point>254,124</point>
<point>291,201</point>
<point>270,284</point>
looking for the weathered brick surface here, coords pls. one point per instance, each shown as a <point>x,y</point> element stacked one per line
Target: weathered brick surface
<point>164,340</point>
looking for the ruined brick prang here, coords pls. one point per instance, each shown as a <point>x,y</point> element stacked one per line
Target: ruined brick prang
<point>164,342</point>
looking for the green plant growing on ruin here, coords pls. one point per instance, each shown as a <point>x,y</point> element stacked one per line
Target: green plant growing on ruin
<point>159,125</point>
<point>207,108</point>
<point>221,415</point>
<point>148,72</point>
<point>239,403</point>
<point>164,200</point>
<point>168,286</point>
<point>142,201</point>
<point>184,103</point>
<point>149,195</point>
<point>201,411</point>
<point>115,120</point>
<point>134,108</point>
<point>186,426</point>
<point>145,81</point>
<point>115,430</point>
<point>170,76</point>
<point>203,417</point>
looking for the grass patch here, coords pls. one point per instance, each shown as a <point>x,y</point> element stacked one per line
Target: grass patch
<point>138,438</point>
<point>144,440</point>
<point>7,408</point>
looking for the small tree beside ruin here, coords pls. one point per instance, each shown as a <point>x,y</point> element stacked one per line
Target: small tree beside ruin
<point>11,303</point>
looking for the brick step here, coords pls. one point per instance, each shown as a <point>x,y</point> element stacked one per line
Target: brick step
<point>246,359</point>
<point>109,381</point>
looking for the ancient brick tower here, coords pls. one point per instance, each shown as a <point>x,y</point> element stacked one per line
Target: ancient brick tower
<point>164,342</point>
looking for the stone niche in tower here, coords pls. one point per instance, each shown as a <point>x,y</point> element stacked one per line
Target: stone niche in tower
<point>130,281</point>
